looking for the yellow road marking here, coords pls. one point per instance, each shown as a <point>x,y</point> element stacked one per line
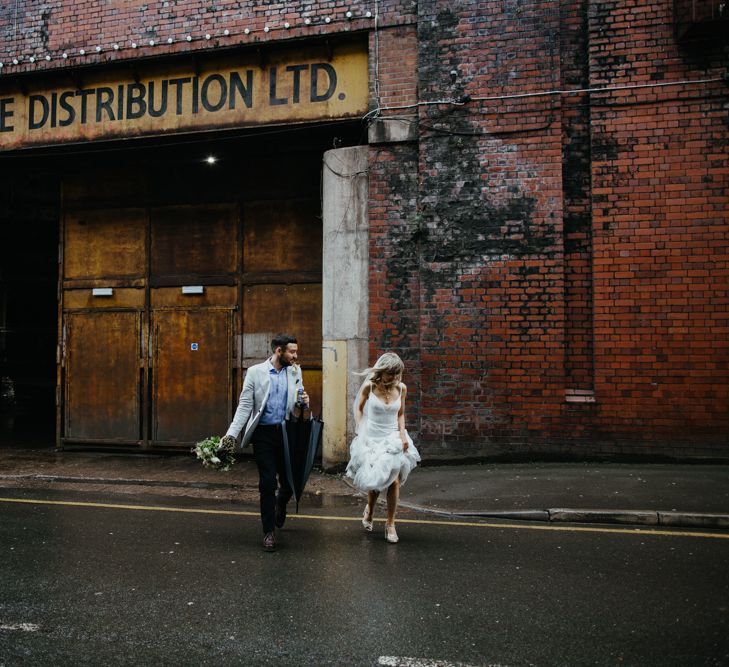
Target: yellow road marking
<point>428,522</point>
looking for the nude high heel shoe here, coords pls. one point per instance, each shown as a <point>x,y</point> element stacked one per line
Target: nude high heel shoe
<point>391,534</point>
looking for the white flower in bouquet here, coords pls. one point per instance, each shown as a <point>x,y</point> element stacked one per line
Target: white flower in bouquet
<point>215,452</point>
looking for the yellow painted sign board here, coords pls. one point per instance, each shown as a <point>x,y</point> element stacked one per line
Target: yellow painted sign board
<point>231,93</point>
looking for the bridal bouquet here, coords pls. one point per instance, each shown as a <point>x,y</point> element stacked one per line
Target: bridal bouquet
<point>215,452</point>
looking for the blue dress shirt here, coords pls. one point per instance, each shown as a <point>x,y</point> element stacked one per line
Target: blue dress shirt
<point>275,410</point>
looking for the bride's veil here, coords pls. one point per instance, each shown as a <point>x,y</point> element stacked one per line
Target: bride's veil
<point>368,374</point>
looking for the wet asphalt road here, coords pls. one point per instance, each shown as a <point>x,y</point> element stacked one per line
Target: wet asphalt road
<point>117,586</point>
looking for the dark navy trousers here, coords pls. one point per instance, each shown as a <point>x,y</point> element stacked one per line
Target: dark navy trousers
<point>272,480</point>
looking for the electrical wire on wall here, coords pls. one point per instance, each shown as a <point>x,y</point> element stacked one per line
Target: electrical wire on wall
<point>467,99</point>
<point>351,176</point>
<point>15,24</point>
<point>496,98</point>
<point>377,54</point>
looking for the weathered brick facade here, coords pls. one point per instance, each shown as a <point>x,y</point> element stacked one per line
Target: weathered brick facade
<point>570,250</point>
<point>660,176</point>
<point>550,250</point>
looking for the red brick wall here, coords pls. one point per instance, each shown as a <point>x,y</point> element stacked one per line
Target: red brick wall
<point>394,74</point>
<point>660,177</point>
<point>490,213</point>
<point>568,242</point>
<point>394,321</point>
<point>576,202</point>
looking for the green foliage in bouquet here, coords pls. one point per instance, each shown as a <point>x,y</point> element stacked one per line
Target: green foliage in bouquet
<point>215,452</point>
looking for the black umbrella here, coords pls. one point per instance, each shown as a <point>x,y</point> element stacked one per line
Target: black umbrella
<point>301,440</point>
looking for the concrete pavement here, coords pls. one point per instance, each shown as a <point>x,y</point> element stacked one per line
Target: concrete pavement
<point>678,495</point>
<point>689,495</point>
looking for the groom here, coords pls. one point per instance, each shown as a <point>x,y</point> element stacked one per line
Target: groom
<point>270,393</point>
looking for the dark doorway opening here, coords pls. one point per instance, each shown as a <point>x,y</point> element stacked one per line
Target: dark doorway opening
<point>29,224</point>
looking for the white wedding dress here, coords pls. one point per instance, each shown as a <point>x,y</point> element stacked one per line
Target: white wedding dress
<point>376,453</point>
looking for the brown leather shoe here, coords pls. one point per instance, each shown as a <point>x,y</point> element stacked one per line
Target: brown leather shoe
<point>269,542</point>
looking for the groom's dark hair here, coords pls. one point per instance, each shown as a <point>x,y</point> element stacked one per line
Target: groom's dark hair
<point>282,340</point>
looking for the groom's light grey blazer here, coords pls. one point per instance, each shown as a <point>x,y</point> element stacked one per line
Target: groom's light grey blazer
<point>254,396</point>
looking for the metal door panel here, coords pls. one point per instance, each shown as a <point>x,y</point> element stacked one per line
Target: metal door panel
<point>121,298</point>
<point>194,240</point>
<point>295,309</point>
<point>191,374</point>
<point>102,376</point>
<point>312,382</point>
<point>282,236</point>
<point>104,244</point>
<point>171,297</point>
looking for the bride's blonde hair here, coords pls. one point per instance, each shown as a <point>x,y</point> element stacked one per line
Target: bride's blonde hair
<point>387,363</point>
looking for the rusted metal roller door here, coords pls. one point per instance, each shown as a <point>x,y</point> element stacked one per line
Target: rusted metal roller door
<point>193,300</point>
<point>282,251</point>
<point>104,261</point>
<point>294,308</point>
<point>194,243</point>
<point>191,295</point>
<point>103,399</point>
<point>191,381</point>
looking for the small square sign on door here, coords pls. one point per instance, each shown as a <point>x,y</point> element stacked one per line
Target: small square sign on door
<point>193,347</point>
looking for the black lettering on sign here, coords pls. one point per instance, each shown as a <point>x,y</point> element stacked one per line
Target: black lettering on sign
<point>6,113</point>
<point>104,100</point>
<point>120,101</point>
<point>68,108</point>
<point>209,93</point>
<point>331,73</point>
<point>297,70</point>
<point>195,94</point>
<point>222,94</point>
<point>136,104</point>
<point>84,95</point>
<point>272,99</point>
<point>54,109</point>
<point>162,110</point>
<point>244,90</point>
<point>37,111</point>
<point>178,84</point>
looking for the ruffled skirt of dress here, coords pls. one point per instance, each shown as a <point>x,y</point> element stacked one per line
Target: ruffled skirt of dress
<point>375,463</point>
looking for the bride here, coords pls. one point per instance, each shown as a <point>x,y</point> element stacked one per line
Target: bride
<point>382,454</point>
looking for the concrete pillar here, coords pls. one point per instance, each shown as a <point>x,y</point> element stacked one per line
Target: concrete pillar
<point>344,294</point>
